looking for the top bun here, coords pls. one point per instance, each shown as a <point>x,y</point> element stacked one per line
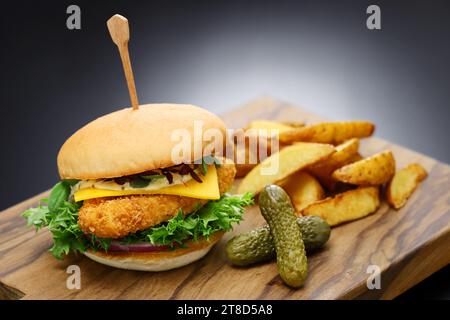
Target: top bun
<point>131,141</point>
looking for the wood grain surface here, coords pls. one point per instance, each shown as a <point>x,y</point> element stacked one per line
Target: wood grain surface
<point>408,245</point>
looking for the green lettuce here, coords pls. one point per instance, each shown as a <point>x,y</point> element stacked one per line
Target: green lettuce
<point>214,216</point>
<point>60,215</point>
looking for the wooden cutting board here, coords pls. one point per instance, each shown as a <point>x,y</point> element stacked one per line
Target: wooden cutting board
<point>408,245</point>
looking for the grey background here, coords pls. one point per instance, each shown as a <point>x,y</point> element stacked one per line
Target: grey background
<point>220,54</point>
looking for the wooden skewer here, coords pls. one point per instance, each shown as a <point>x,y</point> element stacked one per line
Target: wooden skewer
<point>120,34</point>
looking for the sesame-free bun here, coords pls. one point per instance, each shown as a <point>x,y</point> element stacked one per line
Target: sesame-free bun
<point>157,261</point>
<point>131,141</point>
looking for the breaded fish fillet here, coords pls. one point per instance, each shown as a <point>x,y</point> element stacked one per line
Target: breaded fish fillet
<point>117,217</point>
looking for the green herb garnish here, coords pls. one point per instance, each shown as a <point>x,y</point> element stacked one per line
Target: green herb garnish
<point>208,160</point>
<point>138,182</point>
<point>152,177</point>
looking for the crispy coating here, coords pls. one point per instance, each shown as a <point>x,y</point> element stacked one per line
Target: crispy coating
<point>118,216</point>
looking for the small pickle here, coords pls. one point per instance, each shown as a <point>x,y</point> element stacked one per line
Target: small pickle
<point>258,246</point>
<point>276,208</point>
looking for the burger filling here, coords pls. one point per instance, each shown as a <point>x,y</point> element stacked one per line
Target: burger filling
<point>153,211</point>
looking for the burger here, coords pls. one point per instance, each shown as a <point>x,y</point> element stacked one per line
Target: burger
<point>126,201</point>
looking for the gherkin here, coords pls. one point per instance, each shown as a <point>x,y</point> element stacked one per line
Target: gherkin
<point>277,210</point>
<point>257,245</point>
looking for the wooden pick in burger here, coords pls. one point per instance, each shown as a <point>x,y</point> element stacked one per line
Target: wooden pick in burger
<point>120,34</point>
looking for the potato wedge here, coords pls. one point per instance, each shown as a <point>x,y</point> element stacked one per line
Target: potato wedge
<point>284,163</point>
<point>294,124</point>
<point>247,152</point>
<point>303,189</point>
<point>244,167</point>
<point>347,206</point>
<point>328,132</point>
<point>374,170</point>
<point>345,154</point>
<point>271,125</point>
<point>404,183</point>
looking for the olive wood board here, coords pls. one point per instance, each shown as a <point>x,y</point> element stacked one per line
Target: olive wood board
<point>407,245</point>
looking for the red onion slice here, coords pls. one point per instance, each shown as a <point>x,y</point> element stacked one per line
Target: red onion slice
<point>117,246</point>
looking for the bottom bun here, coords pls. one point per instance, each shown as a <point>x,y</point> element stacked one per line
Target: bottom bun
<point>156,261</point>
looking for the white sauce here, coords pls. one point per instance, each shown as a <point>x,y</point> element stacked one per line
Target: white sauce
<point>155,184</point>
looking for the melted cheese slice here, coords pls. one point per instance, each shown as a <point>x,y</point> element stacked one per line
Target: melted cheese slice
<point>208,189</point>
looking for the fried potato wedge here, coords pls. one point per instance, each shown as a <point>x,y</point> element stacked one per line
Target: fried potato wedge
<point>303,189</point>
<point>329,132</point>
<point>404,183</point>
<point>284,163</point>
<point>244,166</point>
<point>294,124</point>
<point>374,170</point>
<point>272,125</point>
<point>346,206</point>
<point>250,149</point>
<point>332,184</point>
<point>346,153</point>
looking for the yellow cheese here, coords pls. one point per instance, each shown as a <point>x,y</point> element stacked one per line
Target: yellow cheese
<point>208,189</point>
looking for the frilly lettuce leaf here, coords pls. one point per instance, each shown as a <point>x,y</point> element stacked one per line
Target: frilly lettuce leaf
<point>61,218</point>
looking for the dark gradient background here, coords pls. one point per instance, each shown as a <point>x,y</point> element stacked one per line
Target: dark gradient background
<point>220,54</point>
